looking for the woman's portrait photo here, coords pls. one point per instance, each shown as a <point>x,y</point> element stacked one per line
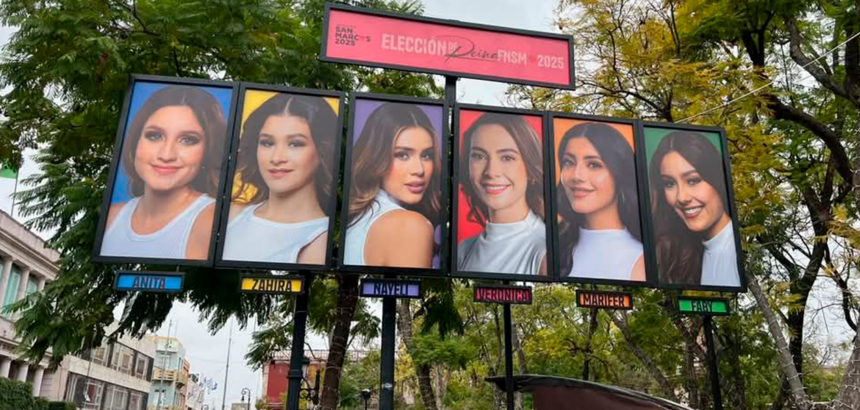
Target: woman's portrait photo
<point>693,232</point>
<point>501,207</point>
<point>163,201</point>
<point>600,235</point>
<point>394,205</point>
<point>284,184</point>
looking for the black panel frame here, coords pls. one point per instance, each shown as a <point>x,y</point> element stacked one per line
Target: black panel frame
<point>733,212</point>
<point>115,163</point>
<point>444,135</point>
<point>330,208</point>
<point>641,189</point>
<point>549,208</point>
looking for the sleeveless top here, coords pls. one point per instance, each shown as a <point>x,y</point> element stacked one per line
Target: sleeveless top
<point>356,234</point>
<point>170,242</point>
<point>605,254</point>
<point>517,247</point>
<point>255,239</point>
<point>720,261</point>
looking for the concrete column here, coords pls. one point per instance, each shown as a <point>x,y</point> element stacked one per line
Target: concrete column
<point>4,278</point>
<point>5,364</point>
<point>37,380</point>
<point>23,369</point>
<point>42,281</point>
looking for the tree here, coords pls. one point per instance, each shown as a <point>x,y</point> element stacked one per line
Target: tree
<point>67,67</point>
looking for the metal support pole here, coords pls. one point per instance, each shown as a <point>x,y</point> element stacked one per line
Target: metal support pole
<point>712,365</point>
<point>297,353</point>
<point>509,357</point>
<point>386,390</point>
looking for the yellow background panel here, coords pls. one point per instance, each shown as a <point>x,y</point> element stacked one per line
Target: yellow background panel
<point>253,100</point>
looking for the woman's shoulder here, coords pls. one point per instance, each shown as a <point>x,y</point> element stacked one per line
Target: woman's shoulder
<point>403,223</point>
<point>236,209</point>
<point>114,211</point>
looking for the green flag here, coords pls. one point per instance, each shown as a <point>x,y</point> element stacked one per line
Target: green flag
<point>8,172</point>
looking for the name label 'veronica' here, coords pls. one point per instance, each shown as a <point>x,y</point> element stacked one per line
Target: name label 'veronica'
<point>520,295</point>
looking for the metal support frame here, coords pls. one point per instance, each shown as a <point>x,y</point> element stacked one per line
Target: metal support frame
<point>713,368</point>
<point>297,353</point>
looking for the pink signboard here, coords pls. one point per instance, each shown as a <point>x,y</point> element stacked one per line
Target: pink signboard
<point>361,36</point>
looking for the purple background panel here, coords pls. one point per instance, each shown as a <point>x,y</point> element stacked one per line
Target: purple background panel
<point>365,107</point>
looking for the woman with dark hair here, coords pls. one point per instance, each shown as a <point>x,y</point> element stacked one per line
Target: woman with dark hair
<point>394,197</point>
<point>599,206</point>
<point>501,165</point>
<point>693,230</point>
<point>172,156</point>
<point>285,163</point>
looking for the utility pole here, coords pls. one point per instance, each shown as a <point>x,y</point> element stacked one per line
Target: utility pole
<point>227,368</point>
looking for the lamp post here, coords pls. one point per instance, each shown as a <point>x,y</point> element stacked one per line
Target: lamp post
<point>365,394</point>
<point>307,391</point>
<point>246,391</point>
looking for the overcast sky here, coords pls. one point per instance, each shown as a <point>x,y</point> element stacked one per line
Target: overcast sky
<point>207,353</point>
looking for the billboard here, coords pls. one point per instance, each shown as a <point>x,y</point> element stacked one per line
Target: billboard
<point>500,228</point>
<point>394,192</point>
<point>166,176</point>
<point>282,179</point>
<point>358,35</point>
<point>597,201</point>
<point>696,237</point>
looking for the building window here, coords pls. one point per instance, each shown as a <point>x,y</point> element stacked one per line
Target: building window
<point>122,359</point>
<point>32,285</point>
<point>12,285</point>
<point>115,398</point>
<point>141,365</point>
<point>136,400</point>
<point>100,355</point>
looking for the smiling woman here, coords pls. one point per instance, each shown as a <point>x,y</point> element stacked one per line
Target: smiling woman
<point>502,184</point>
<point>694,235</point>
<point>285,181</point>
<point>394,185</point>
<point>171,157</point>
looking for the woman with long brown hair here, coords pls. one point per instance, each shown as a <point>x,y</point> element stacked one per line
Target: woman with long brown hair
<point>394,194</point>
<point>172,156</point>
<point>598,205</point>
<point>501,165</point>
<point>693,230</point>
<point>286,158</point>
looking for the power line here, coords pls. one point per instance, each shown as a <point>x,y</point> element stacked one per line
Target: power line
<point>769,83</point>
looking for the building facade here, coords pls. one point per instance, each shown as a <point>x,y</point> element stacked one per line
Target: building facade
<point>27,265</point>
<point>170,376</point>
<point>115,376</point>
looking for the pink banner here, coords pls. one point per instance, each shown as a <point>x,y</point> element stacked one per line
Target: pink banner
<point>377,40</point>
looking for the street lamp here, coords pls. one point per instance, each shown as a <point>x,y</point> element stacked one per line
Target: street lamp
<point>308,392</point>
<point>246,391</point>
<point>365,394</point>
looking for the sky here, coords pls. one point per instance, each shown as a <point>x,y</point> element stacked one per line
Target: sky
<point>208,353</point>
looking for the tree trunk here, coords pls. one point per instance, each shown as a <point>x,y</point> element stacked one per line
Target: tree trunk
<point>653,370</point>
<point>347,300</point>
<point>425,386</point>
<point>592,327</point>
<point>786,361</point>
<point>849,393</point>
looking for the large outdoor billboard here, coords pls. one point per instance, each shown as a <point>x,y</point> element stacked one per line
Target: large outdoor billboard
<point>283,179</point>
<point>166,177</point>
<point>363,36</point>
<point>600,233</point>
<point>394,185</point>
<point>500,228</point>
<point>693,214</point>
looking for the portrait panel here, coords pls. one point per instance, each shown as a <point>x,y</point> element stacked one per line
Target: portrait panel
<point>167,174</point>
<point>283,179</point>
<point>394,211</point>
<point>501,205</point>
<point>597,201</point>
<point>693,215</point>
